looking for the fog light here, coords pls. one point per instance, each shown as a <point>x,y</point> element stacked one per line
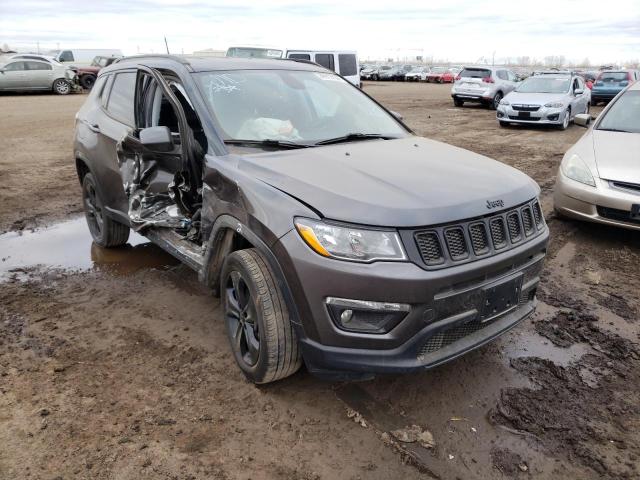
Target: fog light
<point>346,316</point>
<point>553,117</point>
<point>366,317</point>
<point>500,114</point>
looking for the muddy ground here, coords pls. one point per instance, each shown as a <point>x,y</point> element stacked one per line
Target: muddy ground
<point>114,364</point>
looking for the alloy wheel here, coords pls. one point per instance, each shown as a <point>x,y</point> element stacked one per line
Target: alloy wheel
<point>62,87</point>
<point>242,319</point>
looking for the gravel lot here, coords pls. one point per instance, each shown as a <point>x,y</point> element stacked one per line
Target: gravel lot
<point>114,364</point>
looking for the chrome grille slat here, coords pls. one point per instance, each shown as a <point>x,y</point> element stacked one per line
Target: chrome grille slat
<point>466,241</point>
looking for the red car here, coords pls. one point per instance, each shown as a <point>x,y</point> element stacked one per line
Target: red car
<point>441,75</point>
<point>87,75</point>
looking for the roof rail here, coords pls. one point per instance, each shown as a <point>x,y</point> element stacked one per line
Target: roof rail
<point>175,58</point>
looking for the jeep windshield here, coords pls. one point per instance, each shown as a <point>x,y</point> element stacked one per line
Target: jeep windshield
<point>544,85</point>
<point>292,106</point>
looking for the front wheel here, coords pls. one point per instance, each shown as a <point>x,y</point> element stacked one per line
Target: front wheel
<point>87,81</point>
<point>458,103</point>
<point>496,101</point>
<point>259,329</point>
<point>105,231</point>
<point>61,86</point>
<point>566,120</point>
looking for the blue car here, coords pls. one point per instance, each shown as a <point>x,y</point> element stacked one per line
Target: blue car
<point>611,82</point>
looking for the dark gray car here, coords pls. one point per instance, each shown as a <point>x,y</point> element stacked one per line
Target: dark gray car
<point>333,235</point>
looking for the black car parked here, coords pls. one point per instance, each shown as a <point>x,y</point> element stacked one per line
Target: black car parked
<point>332,233</point>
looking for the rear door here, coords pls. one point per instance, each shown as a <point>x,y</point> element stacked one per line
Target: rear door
<point>14,76</point>
<point>39,74</point>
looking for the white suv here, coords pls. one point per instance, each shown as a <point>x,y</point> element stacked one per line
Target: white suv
<point>486,85</point>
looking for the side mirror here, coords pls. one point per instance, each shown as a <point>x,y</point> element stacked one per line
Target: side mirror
<point>582,119</point>
<point>157,138</point>
<point>578,91</point>
<point>1,70</point>
<point>397,115</point>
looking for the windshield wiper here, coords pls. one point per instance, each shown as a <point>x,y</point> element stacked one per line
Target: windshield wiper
<point>355,136</point>
<point>268,142</point>
<point>614,130</point>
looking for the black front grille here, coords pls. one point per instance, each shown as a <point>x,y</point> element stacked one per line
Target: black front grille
<point>537,214</point>
<point>527,221</point>
<point>456,243</point>
<point>479,238</point>
<point>430,249</point>
<point>626,186</point>
<point>526,108</point>
<point>528,119</point>
<point>498,233</point>
<point>513,222</point>
<point>466,241</point>
<point>617,215</point>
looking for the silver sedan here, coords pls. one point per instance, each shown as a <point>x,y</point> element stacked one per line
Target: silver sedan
<point>30,74</point>
<point>551,99</point>
<point>599,177</point>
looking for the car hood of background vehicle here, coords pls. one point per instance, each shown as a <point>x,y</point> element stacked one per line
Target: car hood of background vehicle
<point>403,183</point>
<point>536,98</point>
<point>616,155</point>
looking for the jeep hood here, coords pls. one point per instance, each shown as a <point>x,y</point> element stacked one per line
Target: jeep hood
<point>402,183</point>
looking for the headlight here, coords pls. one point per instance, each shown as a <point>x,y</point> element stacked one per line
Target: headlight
<point>350,243</point>
<point>504,102</point>
<point>575,169</point>
<point>554,105</point>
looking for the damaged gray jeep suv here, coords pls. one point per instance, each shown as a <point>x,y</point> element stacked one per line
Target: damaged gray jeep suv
<point>332,233</point>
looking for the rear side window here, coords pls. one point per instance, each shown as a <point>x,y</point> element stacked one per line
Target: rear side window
<point>300,56</point>
<point>66,56</point>
<point>347,63</point>
<point>502,75</point>
<point>15,67</point>
<point>120,103</point>
<point>475,73</point>
<point>38,66</point>
<point>326,60</point>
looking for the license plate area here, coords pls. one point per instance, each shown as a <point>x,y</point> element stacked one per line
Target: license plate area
<point>500,298</point>
<point>524,115</point>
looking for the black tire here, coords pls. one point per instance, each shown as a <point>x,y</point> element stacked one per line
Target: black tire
<point>262,338</point>
<point>374,78</point>
<point>61,86</point>
<point>588,109</point>
<point>105,231</point>
<point>87,81</point>
<point>566,120</point>
<point>458,103</point>
<point>496,101</point>
<point>503,124</point>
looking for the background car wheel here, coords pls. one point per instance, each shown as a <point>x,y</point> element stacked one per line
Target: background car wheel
<point>374,78</point>
<point>61,87</point>
<point>458,103</point>
<point>566,120</point>
<point>105,231</point>
<point>496,101</point>
<point>87,81</point>
<point>260,332</point>
<point>587,108</point>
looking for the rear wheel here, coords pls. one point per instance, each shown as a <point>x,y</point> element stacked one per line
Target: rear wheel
<point>587,108</point>
<point>61,86</point>
<point>105,231</point>
<point>259,329</point>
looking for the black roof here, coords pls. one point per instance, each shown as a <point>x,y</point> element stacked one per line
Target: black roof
<point>206,64</point>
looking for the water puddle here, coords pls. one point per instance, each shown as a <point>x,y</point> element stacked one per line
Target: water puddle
<point>68,246</point>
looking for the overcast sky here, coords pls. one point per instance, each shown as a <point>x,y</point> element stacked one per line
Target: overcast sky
<point>455,30</point>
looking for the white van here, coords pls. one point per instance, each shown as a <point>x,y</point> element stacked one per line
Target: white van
<point>344,63</point>
<point>84,56</point>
